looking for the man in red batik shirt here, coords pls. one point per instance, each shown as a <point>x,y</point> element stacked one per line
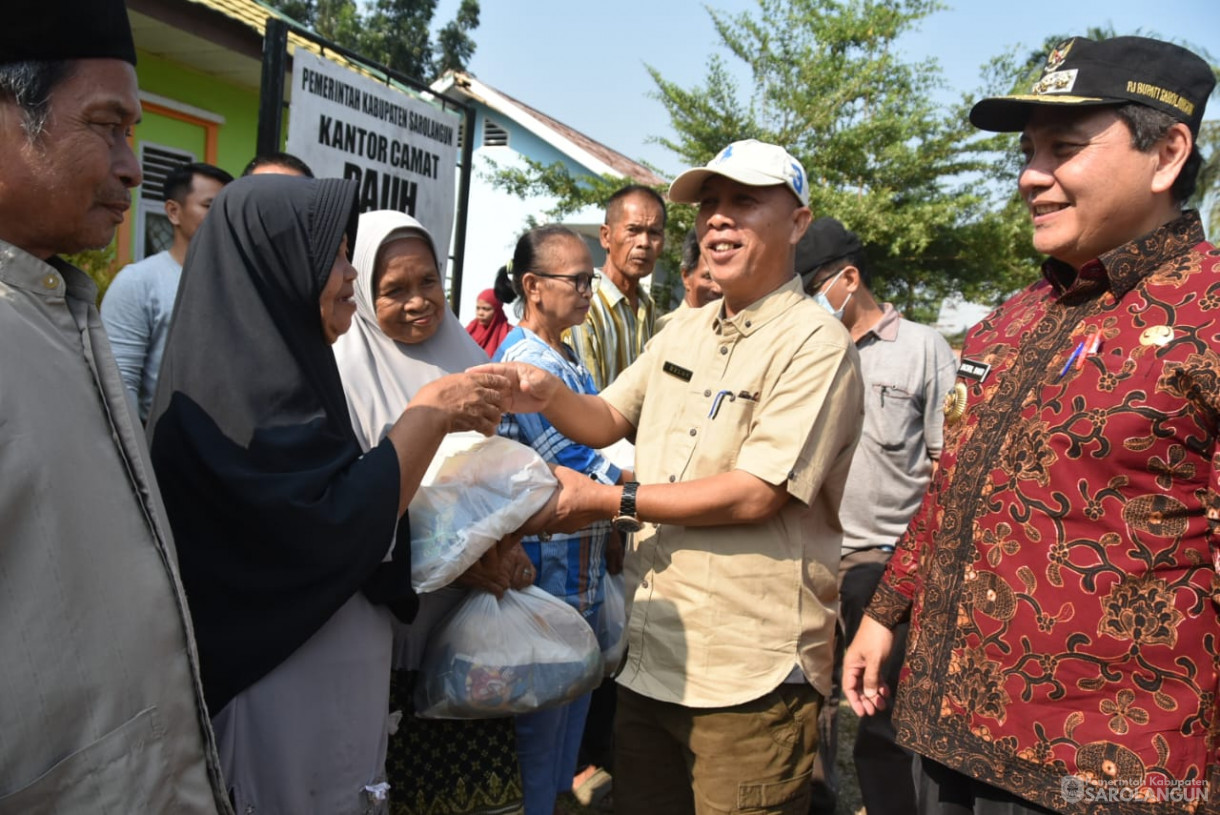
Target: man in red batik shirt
<point>1059,576</point>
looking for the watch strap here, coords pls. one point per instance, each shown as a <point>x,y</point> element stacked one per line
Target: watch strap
<point>626,505</point>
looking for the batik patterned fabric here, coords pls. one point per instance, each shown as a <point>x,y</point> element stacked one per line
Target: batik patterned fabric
<point>1061,571</point>
<point>450,767</point>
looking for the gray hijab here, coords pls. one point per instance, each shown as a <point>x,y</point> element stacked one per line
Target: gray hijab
<point>381,375</point>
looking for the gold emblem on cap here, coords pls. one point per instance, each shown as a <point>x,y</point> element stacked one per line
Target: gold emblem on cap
<point>1156,335</point>
<point>955,403</point>
<point>1057,55</point>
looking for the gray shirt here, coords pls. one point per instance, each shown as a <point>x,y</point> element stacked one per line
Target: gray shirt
<point>907,368</point>
<point>101,708</point>
<point>136,313</point>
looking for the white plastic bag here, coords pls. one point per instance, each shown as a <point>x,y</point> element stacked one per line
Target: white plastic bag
<point>476,490</point>
<point>612,630</point>
<point>621,454</point>
<point>524,652</point>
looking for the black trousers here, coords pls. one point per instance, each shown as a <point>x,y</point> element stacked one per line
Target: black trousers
<point>886,772</point>
<point>943,791</point>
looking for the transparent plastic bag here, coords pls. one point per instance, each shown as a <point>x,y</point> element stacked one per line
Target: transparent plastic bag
<point>612,630</point>
<point>525,652</point>
<point>476,490</point>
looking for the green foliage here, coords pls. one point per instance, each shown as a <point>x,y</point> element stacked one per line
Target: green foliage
<point>392,32</point>
<point>454,47</point>
<point>1207,194</point>
<point>338,20</point>
<point>396,34</point>
<point>97,263</point>
<point>575,193</point>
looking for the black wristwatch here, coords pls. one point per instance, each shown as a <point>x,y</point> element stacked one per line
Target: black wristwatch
<point>626,520</point>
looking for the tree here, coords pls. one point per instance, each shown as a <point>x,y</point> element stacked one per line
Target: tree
<point>454,47</point>
<point>1207,194</point>
<point>396,35</point>
<point>823,78</point>
<point>392,32</point>
<point>338,20</point>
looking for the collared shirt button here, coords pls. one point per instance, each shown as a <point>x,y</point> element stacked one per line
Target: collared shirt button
<point>724,349</point>
<point>672,479</point>
<point>707,393</point>
<point>748,323</point>
<point>644,583</point>
<point>693,431</point>
<point>51,281</point>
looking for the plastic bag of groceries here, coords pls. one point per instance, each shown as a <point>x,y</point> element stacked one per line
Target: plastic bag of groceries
<point>524,652</point>
<point>476,490</point>
<point>612,630</point>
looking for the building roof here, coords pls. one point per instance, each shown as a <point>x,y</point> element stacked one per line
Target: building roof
<point>591,153</point>
<point>221,38</point>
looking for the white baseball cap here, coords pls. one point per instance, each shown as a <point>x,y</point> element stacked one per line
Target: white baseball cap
<point>750,162</point>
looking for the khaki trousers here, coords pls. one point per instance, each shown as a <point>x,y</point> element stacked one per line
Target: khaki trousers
<point>751,758</point>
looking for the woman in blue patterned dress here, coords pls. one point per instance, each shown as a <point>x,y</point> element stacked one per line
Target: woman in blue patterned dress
<point>552,273</point>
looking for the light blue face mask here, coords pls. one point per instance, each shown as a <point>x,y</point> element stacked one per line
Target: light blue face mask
<point>822,300</point>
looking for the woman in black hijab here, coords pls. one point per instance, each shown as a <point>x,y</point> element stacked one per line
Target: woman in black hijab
<point>282,525</point>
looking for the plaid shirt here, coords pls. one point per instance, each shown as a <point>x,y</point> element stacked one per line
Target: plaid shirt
<point>613,334</point>
<point>570,566</point>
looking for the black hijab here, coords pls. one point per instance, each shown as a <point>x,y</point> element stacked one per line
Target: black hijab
<point>278,518</point>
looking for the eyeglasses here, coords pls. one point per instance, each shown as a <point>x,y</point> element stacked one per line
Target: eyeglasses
<point>584,282</point>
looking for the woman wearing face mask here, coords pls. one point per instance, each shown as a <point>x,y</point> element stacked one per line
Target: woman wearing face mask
<point>282,521</point>
<point>553,274</point>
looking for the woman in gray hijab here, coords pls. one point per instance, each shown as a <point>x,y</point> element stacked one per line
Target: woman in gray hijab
<point>403,337</point>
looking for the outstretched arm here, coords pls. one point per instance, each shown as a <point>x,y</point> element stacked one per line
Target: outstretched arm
<point>588,420</point>
<point>450,404</point>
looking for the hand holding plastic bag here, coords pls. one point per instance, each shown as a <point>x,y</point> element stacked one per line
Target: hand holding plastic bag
<point>477,490</point>
<point>525,652</point>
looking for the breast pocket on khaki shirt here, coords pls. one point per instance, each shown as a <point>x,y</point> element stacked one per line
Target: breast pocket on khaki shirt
<point>721,429</point>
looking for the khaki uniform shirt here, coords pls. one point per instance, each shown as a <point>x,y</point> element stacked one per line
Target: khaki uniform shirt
<point>101,709</point>
<point>721,615</point>
<point>613,334</point>
<point>664,319</point>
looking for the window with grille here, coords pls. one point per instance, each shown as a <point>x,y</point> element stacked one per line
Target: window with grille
<point>494,135</point>
<point>154,231</point>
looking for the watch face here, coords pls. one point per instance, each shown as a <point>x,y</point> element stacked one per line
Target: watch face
<point>626,523</point>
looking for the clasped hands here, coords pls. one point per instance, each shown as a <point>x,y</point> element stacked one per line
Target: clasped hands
<point>475,400</point>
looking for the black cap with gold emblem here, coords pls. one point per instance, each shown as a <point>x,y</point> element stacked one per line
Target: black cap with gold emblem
<point>1081,71</point>
<point>66,29</point>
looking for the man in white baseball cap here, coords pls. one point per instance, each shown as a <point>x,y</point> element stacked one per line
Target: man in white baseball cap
<point>750,162</point>
<point>746,415</point>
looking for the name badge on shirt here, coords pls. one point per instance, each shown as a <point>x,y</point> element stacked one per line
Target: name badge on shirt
<point>973,369</point>
<point>677,370</point>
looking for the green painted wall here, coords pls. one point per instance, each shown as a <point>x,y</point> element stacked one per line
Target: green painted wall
<point>169,132</point>
<point>238,106</point>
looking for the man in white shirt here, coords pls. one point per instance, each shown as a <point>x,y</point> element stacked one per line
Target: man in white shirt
<point>139,303</point>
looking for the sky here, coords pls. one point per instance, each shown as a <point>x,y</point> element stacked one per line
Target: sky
<point>584,63</point>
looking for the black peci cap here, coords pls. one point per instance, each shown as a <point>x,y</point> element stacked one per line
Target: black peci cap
<point>66,29</point>
<point>825,240</point>
<point>1087,72</point>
